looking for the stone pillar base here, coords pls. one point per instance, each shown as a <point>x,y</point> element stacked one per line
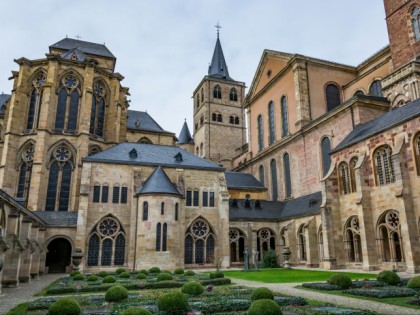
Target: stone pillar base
<point>10,283</point>
<point>413,269</point>
<point>370,267</point>
<point>330,263</point>
<point>34,275</point>
<point>24,279</point>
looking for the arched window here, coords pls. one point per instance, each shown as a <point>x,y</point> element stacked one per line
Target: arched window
<point>231,120</point>
<point>325,153</point>
<point>214,117</point>
<point>332,94</point>
<point>236,120</point>
<point>106,243</point>
<point>287,177</point>
<point>59,179</point>
<point>389,237</point>
<point>284,117</point>
<point>145,211</point>
<point>344,174</point>
<point>384,166</point>
<point>217,92</point>
<point>266,240</point>
<point>176,211</point>
<point>260,133</point>
<point>415,19</point>
<point>219,117</point>
<point>199,243</point>
<point>97,116</point>
<point>274,191</point>
<point>376,89</point>
<point>261,174</point>
<point>68,104</point>
<point>35,101</point>
<point>237,245</point>
<point>198,100</point>
<point>145,140</point>
<point>301,242</point>
<point>233,95</point>
<point>353,163</point>
<point>158,237</point>
<point>25,173</point>
<point>359,92</point>
<point>202,120</point>
<point>202,95</point>
<point>352,242</point>
<point>271,122</point>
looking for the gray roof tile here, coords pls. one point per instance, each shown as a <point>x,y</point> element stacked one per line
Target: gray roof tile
<point>3,99</point>
<point>185,135</point>
<point>139,120</point>
<point>80,55</point>
<point>236,180</point>
<point>86,47</point>
<point>58,218</point>
<point>153,155</point>
<point>218,67</point>
<point>158,183</point>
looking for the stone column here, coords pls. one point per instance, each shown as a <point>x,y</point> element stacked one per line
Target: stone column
<point>34,272</point>
<point>43,250</point>
<point>26,256</point>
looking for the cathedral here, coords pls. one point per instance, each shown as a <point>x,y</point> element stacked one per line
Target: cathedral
<point>318,158</point>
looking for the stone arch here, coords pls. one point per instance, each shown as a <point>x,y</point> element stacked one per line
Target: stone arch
<point>266,240</point>
<point>199,242</point>
<point>237,244</point>
<point>145,140</point>
<point>66,72</point>
<point>352,241</point>
<point>399,100</point>
<point>102,81</point>
<point>388,236</point>
<point>58,258</point>
<point>36,73</point>
<point>301,243</point>
<point>93,149</point>
<point>21,149</point>
<point>62,142</point>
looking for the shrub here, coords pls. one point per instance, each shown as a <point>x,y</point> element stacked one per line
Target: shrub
<point>414,283</point>
<point>382,293</point>
<point>136,311</point>
<point>264,307</point>
<point>179,271</point>
<point>164,277</point>
<point>65,307</point>
<point>74,272</point>
<point>262,294</point>
<point>189,273</point>
<point>102,274</point>
<point>120,270</point>
<point>144,271</point>
<point>141,276</point>
<point>116,293</point>
<point>160,285</point>
<point>270,259</point>
<point>173,303</point>
<point>389,277</point>
<point>124,275</point>
<point>154,270</point>
<point>321,286</point>
<point>220,281</point>
<point>79,276</point>
<point>290,300</point>
<point>92,278</point>
<point>340,279</point>
<point>166,271</point>
<point>216,275</point>
<point>193,288</point>
<point>109,279</point>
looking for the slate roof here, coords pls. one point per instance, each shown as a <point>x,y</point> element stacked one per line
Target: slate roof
<point>380,124</point>
<point>58,218</point>
<point>236,180</point>
<point>86,47</point>
<point>3,99</point>
<point>218,67</point>
<point>185,135</point>
<point>275,210</point>
<point>153,155</point>
<point>139,120</point>
<point>80,55</point>
<point>158,183</point>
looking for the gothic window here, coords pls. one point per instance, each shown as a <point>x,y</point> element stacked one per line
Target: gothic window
<point>284,117</point>
<point>59,179</point>
<point>35,101</point>
<point>188,199</point>
<point>415,19</point>
<point>96,193</point>
<point>287,177</point>
<point>352,242</point>
<point>145,211</point>
<point>216,116</point>
<point>211,201</point>
<point>217,92</point>
<point>301,242</point>
<point>124,194</point>
<point>359,92</point>
<point>106,243</point>
<point>162,208</point>
<point>236,120</point>
<point>97,116</point>
<point>271,122</point>
<point>325,154</point>
<point>68,104</point>
<point>260,133</point>
<point>205,198</point>
<point>105,190</point>
<point>333,98</point>
<point>416,150</point>
<point>231,120</point>
<point>25,173</point>
<point>176,211</point>
<point>116,194</point>
<point>199,243</point>
<point>389,237</point>
<point>164,236</point>
<point>266,240</point>
<point>352,167</point>
<point>344,174</point>
<point>201,120</point>
<point>261,175</point>
<point>376,89</point>
<point>158,236</point>
<point>274,191</point>
<point>384,166</point>
<point>195,198</point>
<point>219,117</point>
<point>233,95</point>
<point>237,241</point>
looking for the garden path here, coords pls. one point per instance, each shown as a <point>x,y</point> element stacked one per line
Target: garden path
<point>289,289</point>
<point>11,297</point>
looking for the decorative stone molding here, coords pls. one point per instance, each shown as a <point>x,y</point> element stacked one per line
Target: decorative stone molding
<point>3,245</point>
<point>17,246</point>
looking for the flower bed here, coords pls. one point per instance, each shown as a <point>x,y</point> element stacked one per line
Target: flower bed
<point>382,292</point>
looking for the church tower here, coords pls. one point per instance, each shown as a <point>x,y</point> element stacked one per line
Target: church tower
<point>219,120</point>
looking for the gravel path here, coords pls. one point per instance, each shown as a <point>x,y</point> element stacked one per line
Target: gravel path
<point>11,297</point>
<point>289,289</point>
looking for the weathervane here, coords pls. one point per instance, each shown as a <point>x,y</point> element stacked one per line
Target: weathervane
<point>218,27</point>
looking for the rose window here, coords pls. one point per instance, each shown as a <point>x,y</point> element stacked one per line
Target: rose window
<point>355,223</point>
<point>40,79</point>
<point>200,228</point>
<point>99,89</point>
<point>70,81</point>
<point>264,234</point>
<point>392,220</point>
<point>108,227</point>
<point>28,155</point>
<point>62,154</point>
<point>233,234</point>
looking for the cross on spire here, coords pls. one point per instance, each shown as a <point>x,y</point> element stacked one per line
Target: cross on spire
<point>78,37</point>
<point>218,28</point>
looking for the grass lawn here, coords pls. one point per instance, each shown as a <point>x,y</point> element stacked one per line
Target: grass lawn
<point>291,275</point>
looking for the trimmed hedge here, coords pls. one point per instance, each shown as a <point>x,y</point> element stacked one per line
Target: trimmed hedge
<point>382,293</point>
<point>192,288</point>
<point>65,307</point>
<point>120,270</point>
<point>262,293</point>
<point>389,277</point>
<point>109,279</point>
<point>219,281</point>
<point>154,270</point>
<point>74,272</point>
<point>92,278</point>
<point>164,277</point>
<point>173,303</point>
<point>116,293</point>
<point>179,271</point>
<point>102,274</point>
<point>189,273</point>
<point>136,311</point>
<point>144,271</point>
<point>141,276</point>
<point>290,300</point>
<point>124,275</point>
<point>264,307</point>
<point>340,279</point>
<point>217,275</point>
<point>79,277</point>
<point>414,283</point>
<point>321,286</point>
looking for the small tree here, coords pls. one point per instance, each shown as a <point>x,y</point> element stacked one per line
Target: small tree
<point>271,259</point>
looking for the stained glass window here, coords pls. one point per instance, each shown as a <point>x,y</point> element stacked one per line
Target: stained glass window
<point>32,109</point>
<point>116,194</point>
<point>104,194</point>
<point>284,117</point>
<point>199,251</point>
<point>205,198</point>
<point>261,175</point>
<point>211,199</point>
<point>287,177</point>
<point>195,199</point>
<point>119,250</point>
<point>97,116</point>
<point>199,243</point>
<point>93,250</point>
<point>210,249</point>
<point>123,194</point>
<point>260,133</point>
<point>384,165</point>
<point>74,111</point>
<point>326,158</point>
<point>415,18</point>
<point>96,193</point>
<point>271,122</point>
<point>158,236</point>
<point>376,88</point>
<point>188,249</point>
<point>217,92</point>
<point>274,190</point>
<point>145,211</point>
<point>52,187</point>
<point>61,109</point>
<point>333,96</point>
<point>106,252</point>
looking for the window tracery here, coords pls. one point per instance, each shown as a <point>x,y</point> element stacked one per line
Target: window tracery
<point>25,173</point>
<point>352,242</point>
<point>389,237</point>
<point>68,104</point>
<point>384,166</point>
<point>217,92</point>
<point>233,95</point>
<point>237,241</point>
<point>266,240</point>
<point>35,101</point>
<point>97,117</point>
<point>199,243</point>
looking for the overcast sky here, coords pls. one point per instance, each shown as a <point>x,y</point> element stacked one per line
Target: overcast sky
<point>163,47</point>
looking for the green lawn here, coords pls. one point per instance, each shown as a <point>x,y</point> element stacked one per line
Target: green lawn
<point>291,275</point>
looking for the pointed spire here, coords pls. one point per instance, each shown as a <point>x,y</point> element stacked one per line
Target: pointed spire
<point>185,135</point>
<point>218,66</point>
